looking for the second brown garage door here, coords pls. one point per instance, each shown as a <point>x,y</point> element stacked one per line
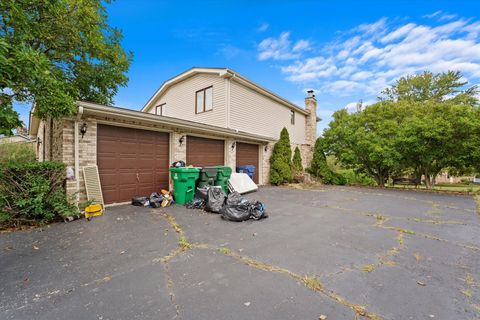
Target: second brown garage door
<point>247,154</point>
<point>131,162</point>
<point>202,152</point>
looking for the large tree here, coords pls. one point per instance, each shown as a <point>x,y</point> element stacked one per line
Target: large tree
<point>366,140</point>
<point>54,52</point>
<point>440,130</point>
<point>423,124</point>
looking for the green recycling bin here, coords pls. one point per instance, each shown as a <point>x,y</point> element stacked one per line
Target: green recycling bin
<point>184,179</point>
<point>208,175</point>
<point>223,174</point>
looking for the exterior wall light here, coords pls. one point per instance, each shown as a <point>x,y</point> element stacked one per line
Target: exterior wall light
<point>181,140</point>
<point>83,129</point>
<point>233,145</point>
<point>266,147</point>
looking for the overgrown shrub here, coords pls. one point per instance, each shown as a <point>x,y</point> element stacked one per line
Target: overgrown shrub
<point>33,192</point>
<point>320,168</point>
<point>353,178</point>
<point>281,160</point>
<point>16,153</point>
<point>297,161</point>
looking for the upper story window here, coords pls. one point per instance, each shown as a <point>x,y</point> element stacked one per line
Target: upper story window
<point>292,117</point>
<point>160,109</point>
<point>204,100</point>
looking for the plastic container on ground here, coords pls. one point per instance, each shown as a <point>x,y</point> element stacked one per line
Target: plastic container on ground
<point>184,179</point>
<point>248,169</point>
<point>223,175</point>
<point>207,178</point>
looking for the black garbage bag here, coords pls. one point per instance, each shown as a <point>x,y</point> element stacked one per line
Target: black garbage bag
<point>202,193</point>
<point>196,203</point>
<point>234,198</point>
<point>140,201</point>
<point>215,200</point>
<point>156,200</point>
<point>238,208</point>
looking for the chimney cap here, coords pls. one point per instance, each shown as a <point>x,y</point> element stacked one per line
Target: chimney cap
<point>310,93</point>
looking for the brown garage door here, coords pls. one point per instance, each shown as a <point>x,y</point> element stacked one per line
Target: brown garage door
<point>247,154</point>
<point>203,152</point>
<point>131,162</point>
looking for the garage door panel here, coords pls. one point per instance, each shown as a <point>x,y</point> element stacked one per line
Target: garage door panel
<point>203,152</point>
<point>248,154</point>
<point>131,162</point>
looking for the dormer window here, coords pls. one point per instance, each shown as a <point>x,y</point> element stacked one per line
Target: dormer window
<point>204,100</point>
<point>160,109</point>
<point>292,117</point>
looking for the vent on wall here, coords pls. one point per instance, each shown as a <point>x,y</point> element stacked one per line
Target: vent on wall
<point>92,184</point>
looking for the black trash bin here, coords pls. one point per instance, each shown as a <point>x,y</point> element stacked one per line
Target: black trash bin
<point>208,175</point>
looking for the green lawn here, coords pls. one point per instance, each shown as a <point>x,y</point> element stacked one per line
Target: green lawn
<point>444,187</point>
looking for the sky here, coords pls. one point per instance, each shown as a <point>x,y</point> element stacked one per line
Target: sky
<point>345,50</point>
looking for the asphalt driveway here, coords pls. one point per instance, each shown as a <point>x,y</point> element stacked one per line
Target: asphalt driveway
<point>341,252</point>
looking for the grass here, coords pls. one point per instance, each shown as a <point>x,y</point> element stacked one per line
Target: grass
<point>471,188</point>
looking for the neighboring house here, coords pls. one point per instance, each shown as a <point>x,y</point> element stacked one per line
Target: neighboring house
<point>204,116</point>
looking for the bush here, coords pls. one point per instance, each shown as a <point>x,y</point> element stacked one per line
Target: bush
<point>320,168</point>
<point>297,161</point>
<point>353,178</point>
<point>281,160</point>
<point>33,192</point>
<point>16,153</point>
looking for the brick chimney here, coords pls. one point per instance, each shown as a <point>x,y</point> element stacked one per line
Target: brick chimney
<point>311,120</point>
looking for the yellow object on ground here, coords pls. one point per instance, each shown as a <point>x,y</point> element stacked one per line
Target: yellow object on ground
<point>93,210</point>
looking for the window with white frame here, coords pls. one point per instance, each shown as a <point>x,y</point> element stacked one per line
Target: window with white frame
<point>204,100</point>
<point>160,109</point>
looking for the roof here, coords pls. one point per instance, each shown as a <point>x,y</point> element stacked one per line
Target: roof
<point>118,113</point>
<point>225,73</point>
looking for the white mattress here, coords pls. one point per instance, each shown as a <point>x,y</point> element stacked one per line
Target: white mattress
<point>241,183</point>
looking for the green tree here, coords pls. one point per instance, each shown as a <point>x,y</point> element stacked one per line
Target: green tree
<point>441,127</point>
<point>366,140</point>
<point>297,161</point>
<point>53,53</point>
<point>281,160</point>
<point>319,166</point>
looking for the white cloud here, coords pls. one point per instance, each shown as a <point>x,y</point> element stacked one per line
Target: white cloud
<point>263,27</point>
<point>370,57</point>
<point>356,105</point>
<point>281,48</point>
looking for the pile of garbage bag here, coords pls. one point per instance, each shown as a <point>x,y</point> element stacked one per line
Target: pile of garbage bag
<point>155,200</point>
<point>235,207</point>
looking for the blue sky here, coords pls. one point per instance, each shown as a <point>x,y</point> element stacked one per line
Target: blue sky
<point>344,50</point>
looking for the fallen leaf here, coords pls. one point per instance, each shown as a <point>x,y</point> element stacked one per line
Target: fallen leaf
<point>322,317</point>
<point>122,252</point>
<point>35,247</point>
<point>247,303</point>
<point>421,283</point>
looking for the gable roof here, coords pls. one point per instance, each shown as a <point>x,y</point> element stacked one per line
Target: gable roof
<point>224,73</point>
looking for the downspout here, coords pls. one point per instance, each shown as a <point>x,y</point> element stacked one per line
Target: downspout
<point>76,151</point>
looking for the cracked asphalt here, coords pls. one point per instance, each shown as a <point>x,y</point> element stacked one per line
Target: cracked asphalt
<point>342,252</point>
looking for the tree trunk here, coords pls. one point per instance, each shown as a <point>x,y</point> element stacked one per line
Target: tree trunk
<point>380,180</point>
<point>428,181</point>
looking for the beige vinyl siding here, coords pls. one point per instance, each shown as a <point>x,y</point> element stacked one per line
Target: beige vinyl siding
<point>253,112</point>
<point>180,100</point>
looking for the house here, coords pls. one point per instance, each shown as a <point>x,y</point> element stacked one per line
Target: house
<point>204,116</point>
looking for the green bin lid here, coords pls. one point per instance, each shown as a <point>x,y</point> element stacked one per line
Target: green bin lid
<point>184,169</point>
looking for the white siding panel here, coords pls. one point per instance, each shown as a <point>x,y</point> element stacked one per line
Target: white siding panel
<point>252,112</point>
<point>180,100</point>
